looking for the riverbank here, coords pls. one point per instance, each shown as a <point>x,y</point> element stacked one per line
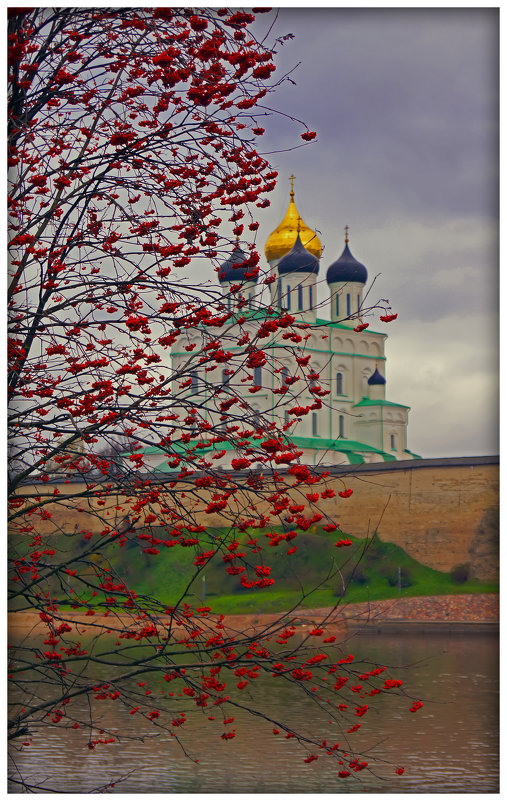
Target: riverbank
<point>464,612</point>
<point>471,613</point>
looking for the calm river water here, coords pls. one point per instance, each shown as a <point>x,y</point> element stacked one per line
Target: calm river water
<point>448,746</point>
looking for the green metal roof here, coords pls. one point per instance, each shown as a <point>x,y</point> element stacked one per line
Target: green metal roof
<point>344,445</point>
<point>319,321</point>
<point>261,314</point>
<point>351,448</point>
<point>149,449</point>
<point>255,314</point>
<point>413,455</point>
<point>355,458</point>
<point>369,402</point>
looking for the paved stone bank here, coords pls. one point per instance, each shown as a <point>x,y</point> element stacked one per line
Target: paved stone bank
<point>442,608</point>
<point>480,608</point>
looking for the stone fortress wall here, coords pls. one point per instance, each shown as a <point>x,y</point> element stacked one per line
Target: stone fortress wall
<point>442,512</point>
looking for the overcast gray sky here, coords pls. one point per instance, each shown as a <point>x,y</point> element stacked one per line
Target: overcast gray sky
<point>405,104</point>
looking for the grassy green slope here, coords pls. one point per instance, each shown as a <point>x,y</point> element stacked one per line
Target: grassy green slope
<point>317,574</point>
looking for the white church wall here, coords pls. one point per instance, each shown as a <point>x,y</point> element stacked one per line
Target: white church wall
<point>363,374</point>
<point>344,370</point>
<point>345,299</point>
<point>369,431</point>
<point>398,431</point>
<point>297,293</point>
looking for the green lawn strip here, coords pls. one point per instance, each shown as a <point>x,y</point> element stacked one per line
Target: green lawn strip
<point>270,601</point>
<point>369,570</point>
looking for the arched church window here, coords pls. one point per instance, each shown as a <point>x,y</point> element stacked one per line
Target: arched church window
<point>315,424</point>
<point>339,383</point>
<point>337,304</point>
<point>225,377</point>
<point>287,304</point>
<point>358,302</point>
<point>250,298</point>
<point>311,297</point>
<point>279,299</point>
<point>393,442</point>
<point>348,304</point>
<point>285,373</point>
<point>257,376</point>
<point>341,426</point>
<point>300,297</point>
<point>194,375</point>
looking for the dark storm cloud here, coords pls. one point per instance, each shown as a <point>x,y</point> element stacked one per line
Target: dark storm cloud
<point>405,103</point>
<point>406,98</point>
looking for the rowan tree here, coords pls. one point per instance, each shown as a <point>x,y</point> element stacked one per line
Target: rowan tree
<point>134,151</point>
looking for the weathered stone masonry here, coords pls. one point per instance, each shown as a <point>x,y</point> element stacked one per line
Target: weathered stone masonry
<point>443,512</point>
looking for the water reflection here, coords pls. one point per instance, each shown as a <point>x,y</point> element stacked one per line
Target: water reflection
<point>450,745</point>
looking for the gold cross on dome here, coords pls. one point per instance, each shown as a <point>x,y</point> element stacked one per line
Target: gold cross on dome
<point>346,233</point>
<point>292,178</point>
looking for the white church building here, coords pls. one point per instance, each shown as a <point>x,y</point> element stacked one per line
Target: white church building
<point>349,419</point>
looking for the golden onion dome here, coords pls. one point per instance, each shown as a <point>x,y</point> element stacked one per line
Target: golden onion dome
<point>284,236</point>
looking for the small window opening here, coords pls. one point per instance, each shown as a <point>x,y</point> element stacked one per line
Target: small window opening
<point>280,292</point>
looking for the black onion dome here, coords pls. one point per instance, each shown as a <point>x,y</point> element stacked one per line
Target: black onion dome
<point>228,272</point>
<point>376,378</point>
<point>298,260</point>
<point>346,268</point>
